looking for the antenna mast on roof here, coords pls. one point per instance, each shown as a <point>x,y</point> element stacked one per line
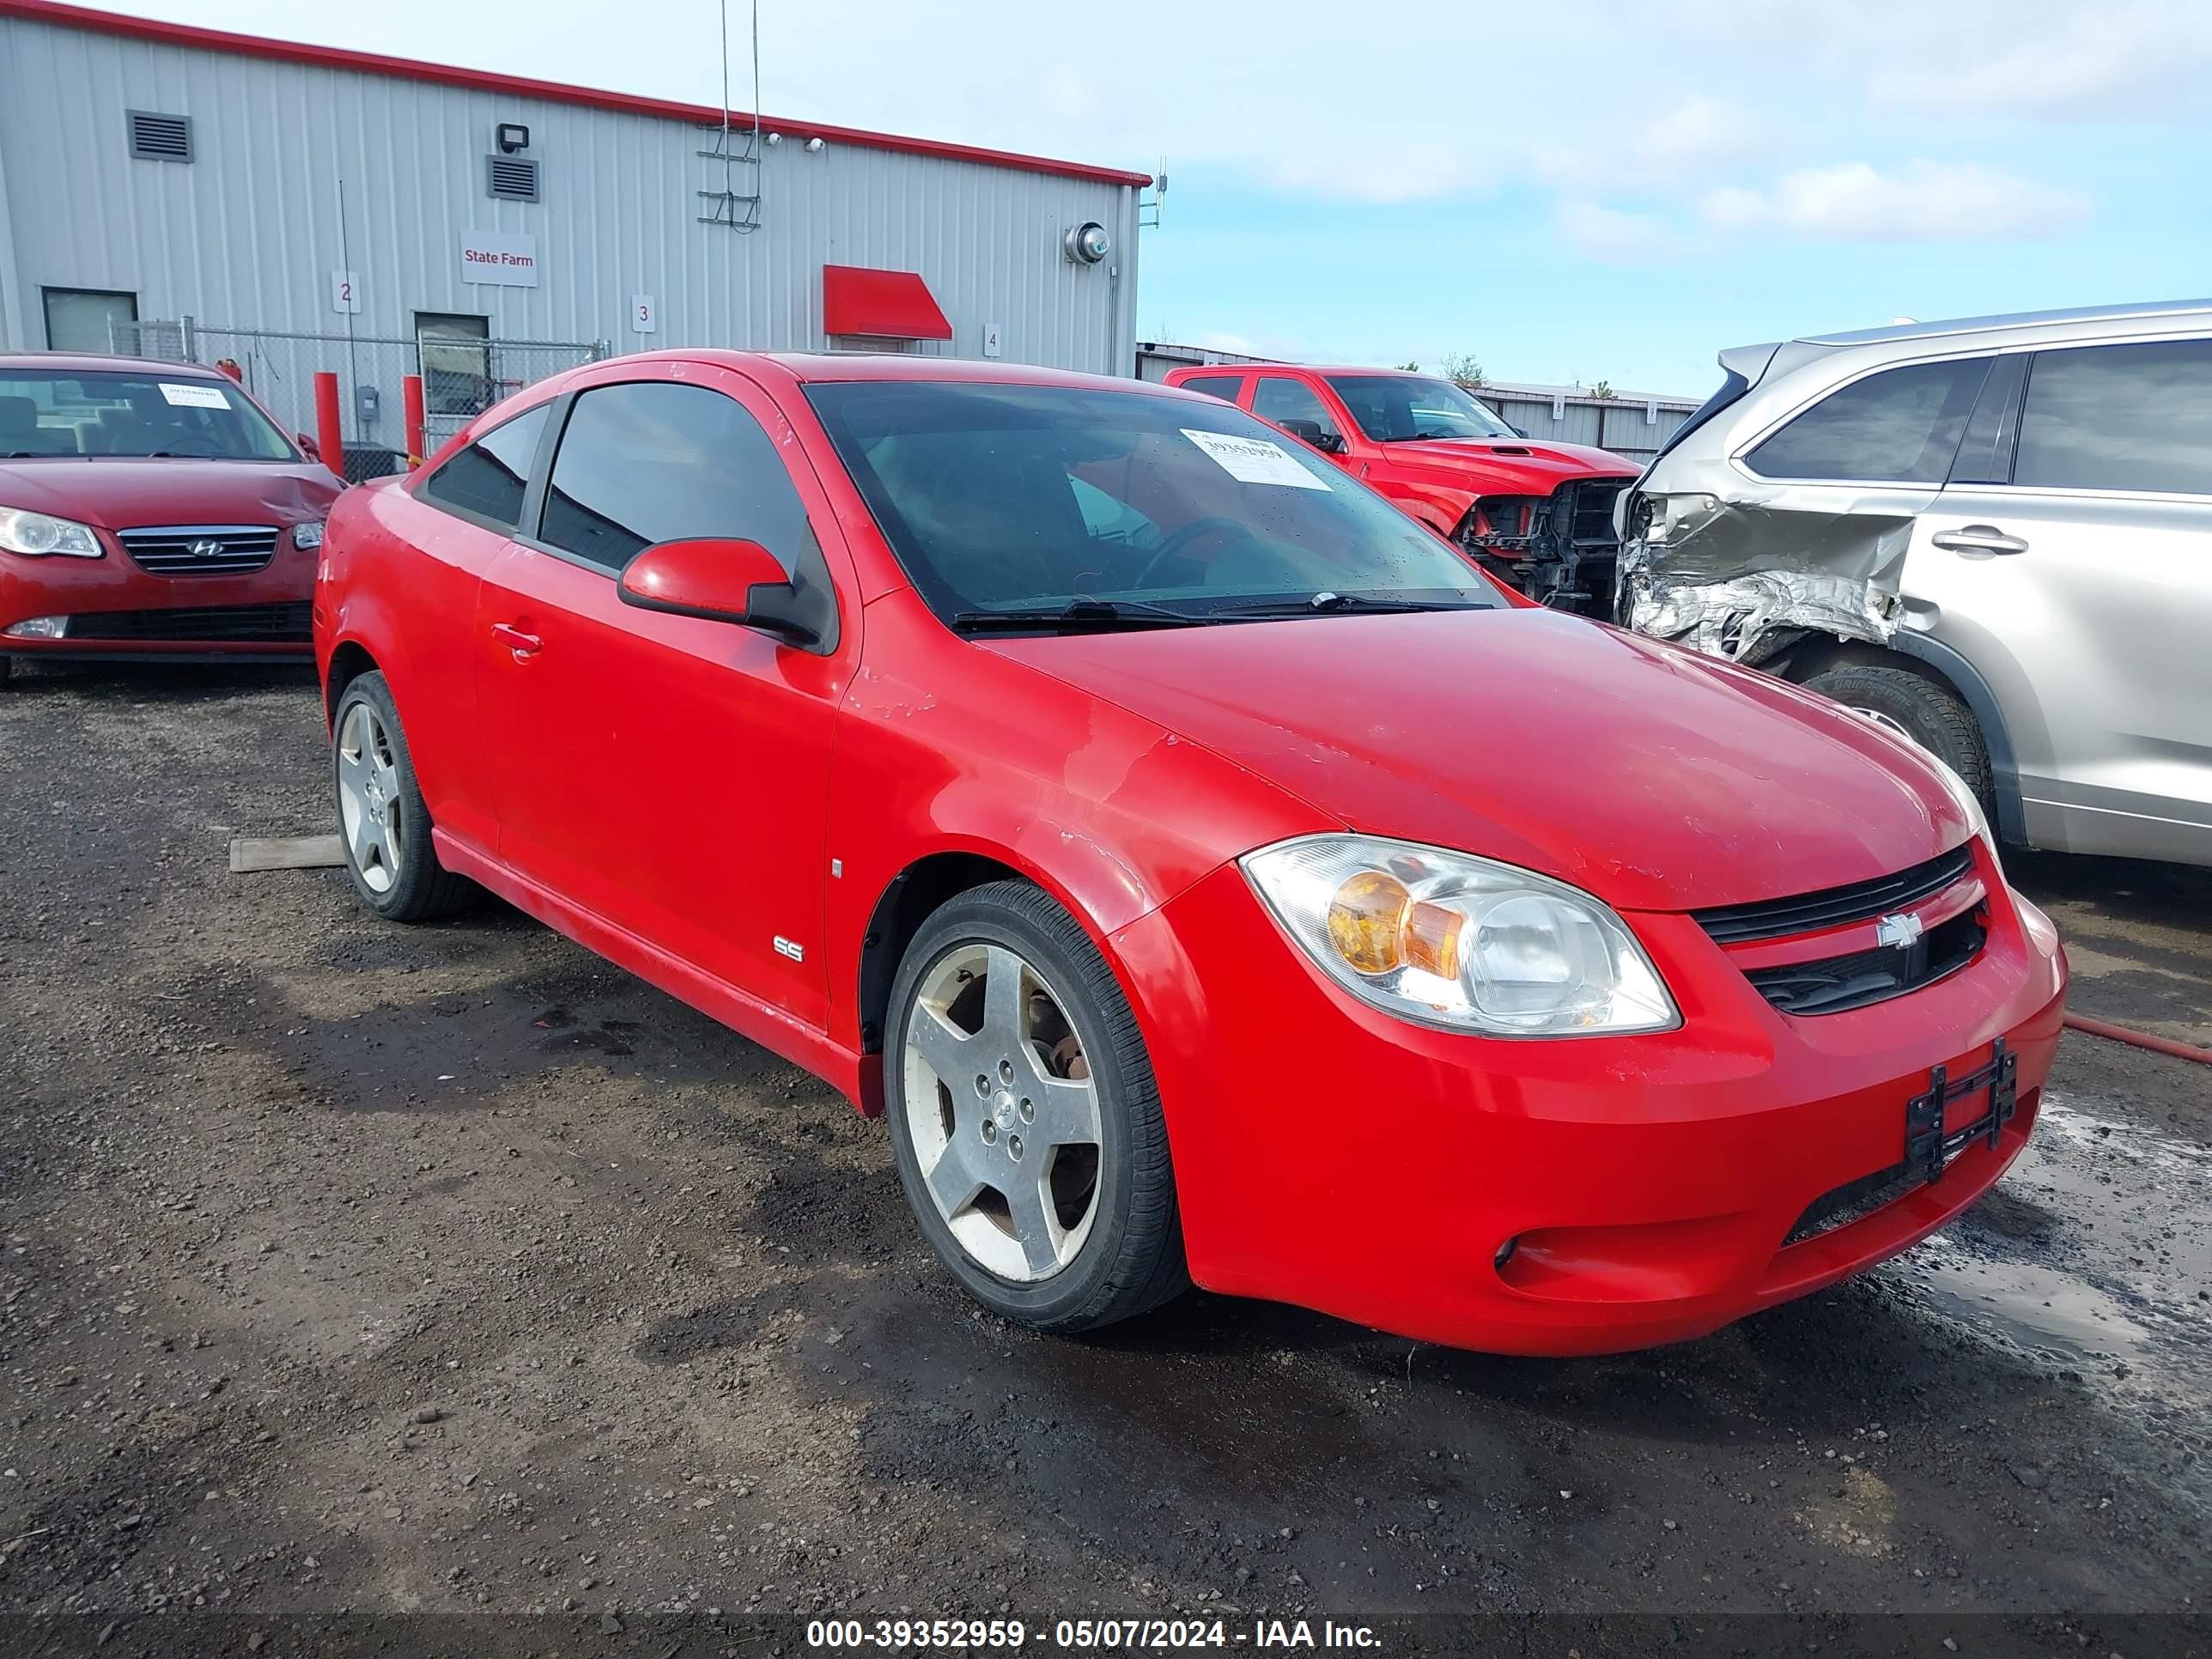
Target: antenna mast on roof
<point>737,203</point>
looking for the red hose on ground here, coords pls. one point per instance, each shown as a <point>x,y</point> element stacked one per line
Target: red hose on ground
<point>2157,1045</point>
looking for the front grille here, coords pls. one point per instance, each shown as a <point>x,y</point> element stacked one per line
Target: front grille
<point>1832,985</point>
<point>1854,1200</point>
<point>213,549</point>
<point>270,624</point>
<point>1593,500</point>
<point>1834,907</point>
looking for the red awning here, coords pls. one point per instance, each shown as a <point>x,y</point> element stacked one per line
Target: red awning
<point>893,305</point>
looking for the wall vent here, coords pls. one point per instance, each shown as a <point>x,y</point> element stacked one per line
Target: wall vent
<point>160,137</point>
<point>511,178</point>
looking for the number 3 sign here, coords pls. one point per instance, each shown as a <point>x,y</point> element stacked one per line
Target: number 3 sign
<point>640,314</point>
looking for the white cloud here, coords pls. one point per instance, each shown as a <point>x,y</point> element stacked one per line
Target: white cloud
<point>1919,201</point>
<point>1974,57</point>
<point>1683,144</point>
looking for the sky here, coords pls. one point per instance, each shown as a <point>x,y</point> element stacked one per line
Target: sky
<point>1566,190</point>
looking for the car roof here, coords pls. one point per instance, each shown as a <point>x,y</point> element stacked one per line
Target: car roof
<point>2014,320</point>
<point>831,366</point>
<point>64,361</point>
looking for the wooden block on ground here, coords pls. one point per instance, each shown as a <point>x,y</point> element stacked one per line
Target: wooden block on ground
<point>285,853</point>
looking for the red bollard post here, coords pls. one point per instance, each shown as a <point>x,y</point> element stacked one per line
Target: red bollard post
<point>330,437</point>
<point>410,392</point>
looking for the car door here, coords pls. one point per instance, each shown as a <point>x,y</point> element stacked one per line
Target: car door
<point>2069,559</point>
<point>455,522</point>
<point>668,774</point>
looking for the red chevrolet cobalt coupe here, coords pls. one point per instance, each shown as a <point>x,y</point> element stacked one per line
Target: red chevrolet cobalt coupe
<point>150,509</point>
<point>1113,793</point>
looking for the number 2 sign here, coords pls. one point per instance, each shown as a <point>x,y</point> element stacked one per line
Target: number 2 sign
<point>345,291</point>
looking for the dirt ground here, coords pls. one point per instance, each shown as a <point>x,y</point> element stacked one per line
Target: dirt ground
<point>357,1268</point>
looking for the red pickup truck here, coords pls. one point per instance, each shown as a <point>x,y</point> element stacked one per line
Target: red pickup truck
<point>1536,515</point>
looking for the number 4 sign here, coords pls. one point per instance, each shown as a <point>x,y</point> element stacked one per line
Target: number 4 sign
<point>640,314</point>
<point>345,291</point>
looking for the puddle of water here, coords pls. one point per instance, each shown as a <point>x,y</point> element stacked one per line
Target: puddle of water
<point>2063,1119</point>
<point>2045,1312</point>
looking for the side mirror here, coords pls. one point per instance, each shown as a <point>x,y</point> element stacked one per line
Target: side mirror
<point>307,446</point>
<point>727,580</point>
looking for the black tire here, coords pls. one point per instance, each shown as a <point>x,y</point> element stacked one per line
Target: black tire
<point>423,890</point>
<point>1132,1259</point>
<point>1929,714</point>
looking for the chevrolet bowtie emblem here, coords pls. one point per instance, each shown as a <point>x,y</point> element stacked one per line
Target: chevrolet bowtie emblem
<point>1899,930</point>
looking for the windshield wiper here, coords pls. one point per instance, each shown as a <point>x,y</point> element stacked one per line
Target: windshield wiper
<point>1077,614</point>
<point>1326,601</point>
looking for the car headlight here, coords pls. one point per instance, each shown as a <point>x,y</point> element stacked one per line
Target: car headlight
<point>308,535</point>
<point>38,535</point>
<point>1969,803</point>
<point>1445,938</point>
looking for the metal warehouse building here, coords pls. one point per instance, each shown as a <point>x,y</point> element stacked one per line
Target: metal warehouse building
<point>187,192</point>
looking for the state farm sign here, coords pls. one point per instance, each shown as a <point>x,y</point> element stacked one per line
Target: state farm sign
<point>488,257</point>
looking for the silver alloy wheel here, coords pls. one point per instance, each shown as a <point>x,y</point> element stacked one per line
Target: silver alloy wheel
<point>368,798</point>
<point>1887,722</point>
<point>1002,1111</point>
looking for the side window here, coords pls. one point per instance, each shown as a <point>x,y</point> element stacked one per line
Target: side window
<point>1294,406</point>
<point>653,461</point>
<point>1224,386</point>
<point>1901,425</point>
<point>2119,417</point>
<point>488,478</point>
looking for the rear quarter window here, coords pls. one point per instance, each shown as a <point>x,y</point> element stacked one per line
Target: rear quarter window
<point>1899,426</point>
<point>1224,386</point>
<point>489,479</point>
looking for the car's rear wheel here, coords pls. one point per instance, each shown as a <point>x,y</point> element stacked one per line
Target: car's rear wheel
<point>382,822</point>
<point>1913,706</point>
<point>1026,1118</point>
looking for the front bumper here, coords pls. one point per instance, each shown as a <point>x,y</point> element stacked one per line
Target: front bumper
<point>214,616</point>
<point>1328,1155</point>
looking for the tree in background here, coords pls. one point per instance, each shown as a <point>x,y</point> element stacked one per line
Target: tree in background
<point>1463,368</point>
<point>1602,389</point>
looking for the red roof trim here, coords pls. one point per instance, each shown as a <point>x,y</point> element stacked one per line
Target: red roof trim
<point>889,305</point>
<point>404,68</point>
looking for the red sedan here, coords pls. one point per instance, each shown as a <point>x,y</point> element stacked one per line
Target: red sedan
<point>1108,790</point>
<point>150,509</point>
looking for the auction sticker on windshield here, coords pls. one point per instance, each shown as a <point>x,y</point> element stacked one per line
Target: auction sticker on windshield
<point>193,397</point>
<point>1255,460</point>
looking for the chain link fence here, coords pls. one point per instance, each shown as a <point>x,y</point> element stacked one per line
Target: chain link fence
<point>462,376</point>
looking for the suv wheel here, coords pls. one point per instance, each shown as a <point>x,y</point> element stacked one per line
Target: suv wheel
<point>1913,706</point>
<point>1024,1116</point>
<point>382,822</point>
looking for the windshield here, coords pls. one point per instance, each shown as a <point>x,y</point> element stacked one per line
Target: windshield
<point>1394,407</point>
<point>93,413</point>
<point>1033,499</point>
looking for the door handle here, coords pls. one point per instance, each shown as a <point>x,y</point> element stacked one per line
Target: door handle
<point>1978,538</point>
<point>523,645</point>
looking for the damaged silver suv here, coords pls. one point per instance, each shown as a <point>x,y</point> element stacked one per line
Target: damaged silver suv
<point>1994,535</point>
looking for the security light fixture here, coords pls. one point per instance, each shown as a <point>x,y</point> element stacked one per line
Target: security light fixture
<point>774,138</point>
<point>813,146</point>
<point>512,137</point>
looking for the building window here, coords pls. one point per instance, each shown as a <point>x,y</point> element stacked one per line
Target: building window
<point>160,137</point>
<point>456,362</point>
<point>81,319</point>
<point>511,178</point>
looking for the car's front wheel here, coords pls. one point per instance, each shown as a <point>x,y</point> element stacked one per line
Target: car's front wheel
<point>382,822</point>
<point>1913,706</point>
<point>1026,1118</point>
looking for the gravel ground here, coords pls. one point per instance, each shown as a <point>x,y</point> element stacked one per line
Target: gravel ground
<point>446,1269</point>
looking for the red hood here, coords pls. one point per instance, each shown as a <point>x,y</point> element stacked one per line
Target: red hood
<point>1517,466</point>
<point>117,492</point>
<point>1655,778</point>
